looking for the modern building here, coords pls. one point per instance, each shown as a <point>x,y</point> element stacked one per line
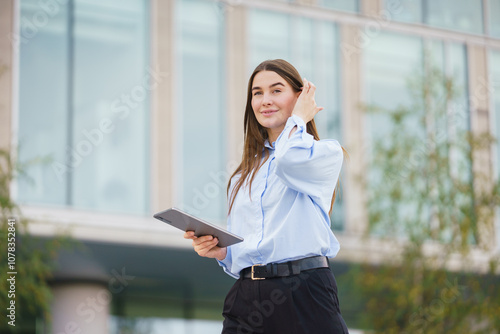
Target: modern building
<point>135,106</point>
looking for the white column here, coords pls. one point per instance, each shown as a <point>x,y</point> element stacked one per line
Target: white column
<point>371,8</point>
<point>80,308</point>
<point>353,128</point>
<point>6,63</point>
<point>163,105</point>
<point>480,114</point>
<point>237,78</point>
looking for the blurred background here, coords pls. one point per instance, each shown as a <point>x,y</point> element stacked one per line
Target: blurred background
<point>113,110</point>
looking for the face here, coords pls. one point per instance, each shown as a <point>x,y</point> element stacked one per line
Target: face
<point>273,100</point>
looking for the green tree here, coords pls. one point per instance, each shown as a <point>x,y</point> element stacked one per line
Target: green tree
<point>432,200</point>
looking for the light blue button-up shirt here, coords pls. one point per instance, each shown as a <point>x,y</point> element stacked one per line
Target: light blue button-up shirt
<point>286,217</point>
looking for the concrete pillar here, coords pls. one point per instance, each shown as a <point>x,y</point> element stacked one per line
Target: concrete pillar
<point>480,111</point>
<point>80,308</point>
<point>81,300</point>
<point>162,105</point>
<point>307,2</point>
<point>353,116</point>
<point>236,79</point>
<point>6,64</point>
<point>371,8</point>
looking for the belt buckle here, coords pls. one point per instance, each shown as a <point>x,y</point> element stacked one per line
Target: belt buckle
<point>253,272</point>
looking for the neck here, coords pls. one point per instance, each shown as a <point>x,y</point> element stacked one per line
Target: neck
<point>273,134</point>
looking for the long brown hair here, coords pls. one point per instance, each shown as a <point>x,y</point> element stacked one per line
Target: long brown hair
<point>255,134</point>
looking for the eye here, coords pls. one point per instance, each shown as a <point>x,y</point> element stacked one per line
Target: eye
<point>257,93</point>
<point>277,91</point>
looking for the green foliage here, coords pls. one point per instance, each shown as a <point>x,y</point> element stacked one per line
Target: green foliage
<point>34,257</point>
<point>433,199</point>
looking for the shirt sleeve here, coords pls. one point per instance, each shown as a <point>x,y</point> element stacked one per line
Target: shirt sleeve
<point>227,262</point>
<point>306,165</point>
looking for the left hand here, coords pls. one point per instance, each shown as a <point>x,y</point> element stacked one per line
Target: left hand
<point>306,107</point>
<point>206,246</point>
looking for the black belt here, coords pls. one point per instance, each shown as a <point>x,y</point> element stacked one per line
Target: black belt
<point>271,270</point>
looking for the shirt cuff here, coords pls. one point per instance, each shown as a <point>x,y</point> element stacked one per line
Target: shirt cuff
<point>293,121</point>
<point>300,138</point>
<point>225,264</point>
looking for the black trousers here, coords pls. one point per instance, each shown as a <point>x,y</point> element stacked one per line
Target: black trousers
<point>306,303</point>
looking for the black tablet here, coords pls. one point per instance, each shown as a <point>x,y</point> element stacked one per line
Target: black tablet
<point>186,222</point>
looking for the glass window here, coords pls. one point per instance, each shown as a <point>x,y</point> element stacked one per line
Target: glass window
<point>405,10</point>
<point>462,15</point>
<point>457,69</point>
<point>84,95</point>
<point>202,173</point>
<point>43,102</point>
<point>110,37</point>
<point>391,60</point>
<point>494,15</point>
<point>312,47</point>
<point>346,5</point>
<point>268,36</point>
<point>388,71</point>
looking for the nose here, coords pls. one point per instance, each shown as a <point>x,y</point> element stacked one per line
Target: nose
<point>267,100</point>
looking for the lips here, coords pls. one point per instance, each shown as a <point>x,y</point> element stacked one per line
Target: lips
<point>268,112</point>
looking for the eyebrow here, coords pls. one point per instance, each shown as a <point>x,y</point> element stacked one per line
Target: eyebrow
<point>274,84</point>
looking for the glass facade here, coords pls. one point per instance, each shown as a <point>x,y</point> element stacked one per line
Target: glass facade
<point>461,15</point>
<point>392,63</point>
<point>458,118</point>
<point>493,18</point>
<point>43,104</point>
<point>81,113</point>
<point>391,60</point>
<point>312,47</point>
<point>410,11</point>
<point>201,95</point>
<point>345,5</point>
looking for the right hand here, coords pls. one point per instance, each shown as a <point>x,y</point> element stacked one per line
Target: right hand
<point>206,246</point>
<point>306,107</point>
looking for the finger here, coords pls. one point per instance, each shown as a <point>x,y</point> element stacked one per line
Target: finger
<point>208,244</point>
<point>202,239</point>
<point>312,87</point>
<point>305,85</point>
<point>189,235</point>
<point>206,247</point>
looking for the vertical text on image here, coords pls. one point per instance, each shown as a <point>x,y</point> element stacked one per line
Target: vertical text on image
<point>11,271</point>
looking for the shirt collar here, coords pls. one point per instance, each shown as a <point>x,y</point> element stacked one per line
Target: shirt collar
<point>269,146</point>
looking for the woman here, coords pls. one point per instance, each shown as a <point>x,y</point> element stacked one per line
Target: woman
<point>280,198</point>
